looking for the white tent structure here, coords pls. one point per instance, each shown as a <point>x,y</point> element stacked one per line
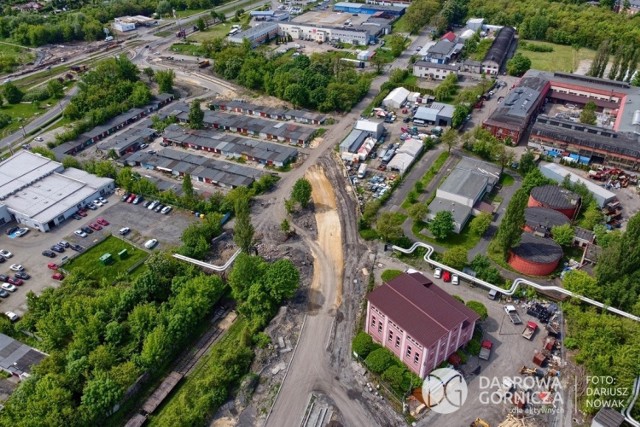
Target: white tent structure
<point>396,98</point>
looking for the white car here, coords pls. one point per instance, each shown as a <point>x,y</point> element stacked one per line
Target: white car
<point>80,233</point>
<point>124,231</point>
<point>438,273</point>
<point>455,280</point>
<point>150,244</point>
<point>166,210</point>
<point>103,200</point>
<point>16,267</point>
<point>5,254</point>
<point>9,287</point>
<point>38,139</point>
<point>12,316</point>
<point>21,232</point>
<point>98,203</point>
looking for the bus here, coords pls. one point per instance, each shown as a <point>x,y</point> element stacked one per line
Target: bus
<point>234,31</point>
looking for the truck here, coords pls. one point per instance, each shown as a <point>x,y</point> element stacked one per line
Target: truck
<point>485,350</point>
<point>513,314</point>
<point>362,170</point>
<point>529,330</point>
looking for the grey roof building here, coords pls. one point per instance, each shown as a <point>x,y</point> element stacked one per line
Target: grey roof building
<point>540,221</point>
<point>537,250</point>
<point>250,109</point>
<point>497,53</point>
<point>437,114</point>
<point>607,417</point>
<point>464,189</point>
<point>17,358</point>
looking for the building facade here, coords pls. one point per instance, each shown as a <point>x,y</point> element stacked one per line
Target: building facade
<point>426,69</point>
<point>418,322</point>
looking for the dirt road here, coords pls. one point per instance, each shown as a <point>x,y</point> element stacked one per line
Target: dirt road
<point>309,370</point>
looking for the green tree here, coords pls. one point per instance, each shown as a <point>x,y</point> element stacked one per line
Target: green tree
<point>418,211</point>
<point>510,229</point>
<point>281,280</point>
<point>449,138</point>
<point>479,308</point>
<point>55,89</point>
<point>44,151</point>
<point>11,93</point>
<point>379,61</point>
<point>396,43</point>
<point>591,216</point>
<point>563,234</point>
<point>71,162</point>
<point>527,163</point>
<point>582,283</point>
<point>165,79</point>
<point>455,257</point>
<point>285,227</point>
<point>518,65</point>
<point>379,360</point>
<point>481,223</point>
<point>201,24</point>
<point>99,396</point>
<point>246,271</point>
<point>141,95</point>
<point>164,8</point>
<point>442,225</point>
<point>148,71</point>
<point>187,187</point>
<point>389,226</point>
<point>196,115</point>
<point>243,230</point>
<point>301,192</point>
<point>588,114</point>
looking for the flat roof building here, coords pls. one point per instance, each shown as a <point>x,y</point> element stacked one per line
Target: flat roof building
<point>369,9</point>
<point>17,358</point>
<point>41,193</point>
<point>418,321</point>
<point>557,173</point>
<point>437,113</point>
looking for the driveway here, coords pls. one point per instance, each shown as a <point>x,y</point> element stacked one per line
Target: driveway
<point>27,250</point>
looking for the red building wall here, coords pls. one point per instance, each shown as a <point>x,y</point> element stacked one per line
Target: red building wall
<point>531,268</point>
<point>569,213</point>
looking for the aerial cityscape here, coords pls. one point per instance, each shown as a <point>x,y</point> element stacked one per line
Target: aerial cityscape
<point>316,213</point>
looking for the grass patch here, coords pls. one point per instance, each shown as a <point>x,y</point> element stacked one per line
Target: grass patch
<point>188,12</point>
<point>187,49</point>
<point>465,239</point>
<point>20,114</point>
<point>214,31</point>
<point>563,58</point>
<point>483,47</point>
<point>164,33</point>
<point>401,25</point>
<point>429,175</point>
<point>89,262</point>
<point>506,180</point>
<point>12,56</point>
<point>390,275</point>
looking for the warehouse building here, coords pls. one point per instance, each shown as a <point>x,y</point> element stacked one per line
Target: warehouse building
<point>40,193</point>
<point>499,51</point>
<point>437,113</point>
<point>16,358</point>
<point>369,9</point>
<point>249,109</point>
<point>405,155</point>
<point>557,173</point>
<point>130,140</point>
<point>231,146</point>
<point>396,98</point>
<point>462,192</point>
<point>257,35</point>
<point>418,322</point>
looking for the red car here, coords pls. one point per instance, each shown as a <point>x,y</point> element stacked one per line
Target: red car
<point>82,212</point>
<point>131,197</point>
<point>52,266</point>
<point>446,276</point>
<point>95,226</point>
<point>58,276</point>
<point>102,221</point>
<point>14,281</point>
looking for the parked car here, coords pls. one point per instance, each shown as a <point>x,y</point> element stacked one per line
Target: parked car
<point>446,276</point>
<point>4,294</point>
<point>14,281</point>
<point>77,248</point>
<point>147,203</point>
<point>22,275</point>
<point>2,259</point>
<point>98,203</point>
<point>150,244</point>
<point>3,277</point>
<point>153,205</point>
<point>63,243</point>
<point>76,217</point>
<point>16,267</point>
<point>12,230</point>
<point>9,287</point>
<point>95,226</point>
<point>124,231</point>
<point>125,196</point>
<point>58,276</point>
<point>57,248</point>
<point>166,210</point>
<point>5,253</point>
<point>12,316</point>
<point>137,200</point>
<point>82,213</point>
<point>87,230</point>
<point>80,233</point>
<point>49,253</point>
<point>455,280</point>
<point>102,221</point>
<point>21,232</point>
<point>92,206</point>
<point>103,200</point>
<point>159,207</point>
<point>438,273</point>
<point>131,197</point>
<point>52,266</point>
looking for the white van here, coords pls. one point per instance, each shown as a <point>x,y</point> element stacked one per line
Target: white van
<point>108,38</point>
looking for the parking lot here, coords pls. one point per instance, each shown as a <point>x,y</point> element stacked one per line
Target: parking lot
<point>27,250</point>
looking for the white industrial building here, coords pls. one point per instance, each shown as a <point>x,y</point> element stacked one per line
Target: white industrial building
<point>437,113</point>
<point>406,155</point>
<point>123,26</point>
<point>320,33</point>
<point>41,193</point>
<point>396,98</point>
<point>426,69</point>
<point>375,129</point>
<point>557,173</point>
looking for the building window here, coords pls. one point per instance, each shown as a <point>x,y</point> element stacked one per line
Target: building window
<point>416,358</point>
<point>373,321</point>
<point>390,335</point>
<point>379,327</point>
<point>409,351</point>
<point>397,342</point>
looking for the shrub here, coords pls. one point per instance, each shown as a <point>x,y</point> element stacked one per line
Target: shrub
<point>390,274</point>
<point>379,360</point>
<point>473,347</point>
<point>479,308</point>
<point>362,344</point>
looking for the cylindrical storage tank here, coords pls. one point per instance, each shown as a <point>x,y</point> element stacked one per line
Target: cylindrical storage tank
<point>535,256</point>
<point>556,198</point>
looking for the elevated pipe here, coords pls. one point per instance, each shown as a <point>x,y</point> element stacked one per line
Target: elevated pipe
<point>514,285</point>
<point>206,264</point>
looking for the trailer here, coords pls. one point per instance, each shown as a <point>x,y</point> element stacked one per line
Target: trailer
<point>513,314</point>
<point>529,330</point>
<point>485,350</point>
<point>362,171</point>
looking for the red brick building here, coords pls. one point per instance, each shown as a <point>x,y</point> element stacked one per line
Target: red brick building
<point>535,256</point>
<point>418,321</point>
<point>556,198</point>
